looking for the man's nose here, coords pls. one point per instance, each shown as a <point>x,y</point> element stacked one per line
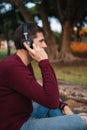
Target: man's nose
<point>44,45</point>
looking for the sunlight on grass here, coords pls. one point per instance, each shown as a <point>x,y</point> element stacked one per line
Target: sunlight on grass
<point>72,74</point>
<point>3,53</point>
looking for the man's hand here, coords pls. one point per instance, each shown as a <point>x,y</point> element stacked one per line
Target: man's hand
<point>37,53</point>
<point>67,110</point>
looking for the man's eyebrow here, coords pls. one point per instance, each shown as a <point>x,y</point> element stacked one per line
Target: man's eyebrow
<point>42,40</point>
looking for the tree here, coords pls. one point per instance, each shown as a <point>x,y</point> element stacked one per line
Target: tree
<point>8,22</point>
<point>51,42</point>
<point>69,12</point>
<point>52,46</point>
<point>10,19</point>
<point>23,10</point>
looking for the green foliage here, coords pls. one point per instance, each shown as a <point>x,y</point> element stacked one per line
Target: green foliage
<point>57,36</point>
<point>33,11</point>
<point>9,20</point>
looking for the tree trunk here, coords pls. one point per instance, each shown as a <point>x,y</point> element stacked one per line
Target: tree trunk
<point>51,42</point>
<point>0,42</point>
<point>25,13</point>
<point>8,48</point>
<point>65,52</point>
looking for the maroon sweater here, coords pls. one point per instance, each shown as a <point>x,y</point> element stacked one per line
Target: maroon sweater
<point>18,87</point>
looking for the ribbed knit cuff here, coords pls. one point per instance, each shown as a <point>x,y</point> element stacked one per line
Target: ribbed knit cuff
<point>43,62</point>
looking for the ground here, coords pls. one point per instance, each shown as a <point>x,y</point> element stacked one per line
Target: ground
<point>74,94</point>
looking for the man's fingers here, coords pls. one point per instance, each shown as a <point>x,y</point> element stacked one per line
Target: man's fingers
<point>27,47</point>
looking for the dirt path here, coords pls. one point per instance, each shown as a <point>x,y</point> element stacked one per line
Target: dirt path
<point>75,95</point>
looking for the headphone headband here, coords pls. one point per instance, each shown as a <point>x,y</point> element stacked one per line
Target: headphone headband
<point>29,41</point>
<point>25,30</point>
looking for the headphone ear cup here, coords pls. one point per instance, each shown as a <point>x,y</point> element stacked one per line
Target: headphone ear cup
<point>28,41</point>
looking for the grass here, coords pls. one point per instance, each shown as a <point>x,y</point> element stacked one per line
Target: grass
<point>72,74</point>
<point>3,53</point>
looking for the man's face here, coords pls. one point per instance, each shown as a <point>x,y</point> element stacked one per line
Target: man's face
<point>40,40</point>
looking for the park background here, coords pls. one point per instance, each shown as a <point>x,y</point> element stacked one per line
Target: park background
<point>65,25</point>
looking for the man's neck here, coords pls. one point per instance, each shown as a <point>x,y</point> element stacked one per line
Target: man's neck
<point>24,56</point>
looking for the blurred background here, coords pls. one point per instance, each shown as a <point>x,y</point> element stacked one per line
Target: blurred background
<point>65,25</point>
<point>63,21</point>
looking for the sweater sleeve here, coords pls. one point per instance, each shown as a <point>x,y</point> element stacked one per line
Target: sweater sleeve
<point>22,80</point>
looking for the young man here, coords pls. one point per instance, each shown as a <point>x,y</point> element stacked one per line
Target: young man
<point>18,88</point>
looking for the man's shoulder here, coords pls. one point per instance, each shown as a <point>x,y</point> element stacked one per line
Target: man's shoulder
<point>7,62</point>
